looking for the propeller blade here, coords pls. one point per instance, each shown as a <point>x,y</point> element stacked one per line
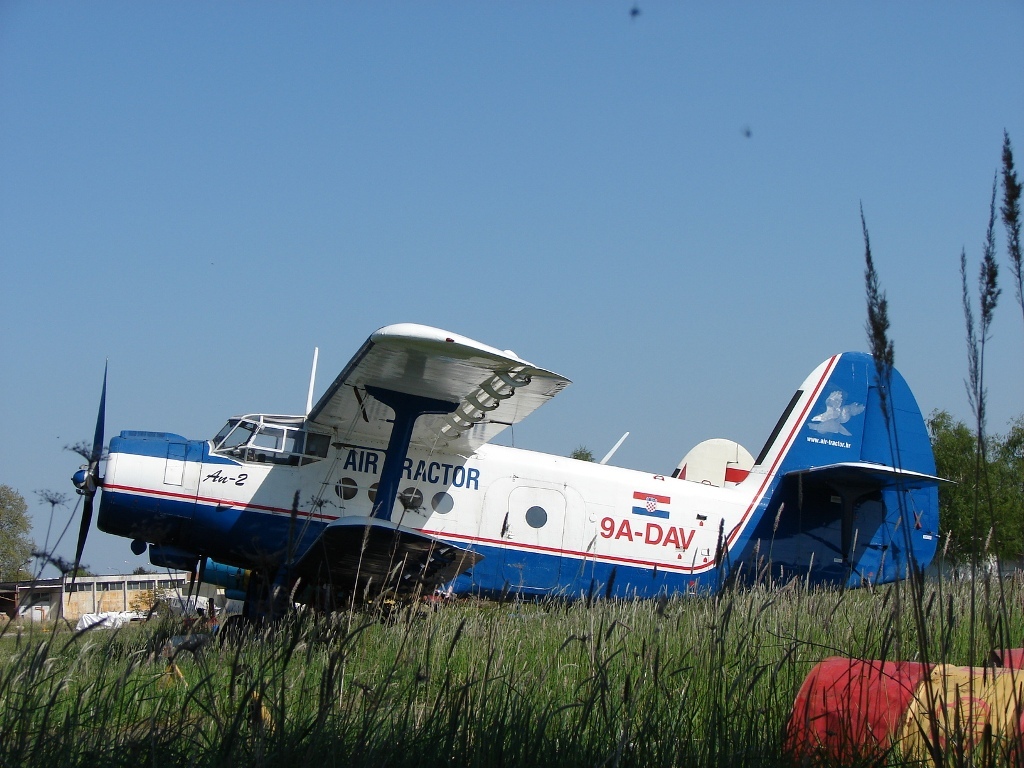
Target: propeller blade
<point>92,479</point>
<point>83,532</point>
<point>97,440</point>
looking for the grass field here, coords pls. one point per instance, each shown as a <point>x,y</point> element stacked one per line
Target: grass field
<point>690,682</point>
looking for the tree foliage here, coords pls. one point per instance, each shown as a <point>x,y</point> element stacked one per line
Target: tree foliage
<point>582,453</point>
<point>15,546</point>
<point>998,525</point>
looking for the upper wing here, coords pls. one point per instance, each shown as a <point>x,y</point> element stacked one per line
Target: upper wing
<point>492,389</point>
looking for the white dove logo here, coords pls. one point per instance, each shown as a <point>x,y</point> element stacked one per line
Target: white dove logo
<point>831,420</point>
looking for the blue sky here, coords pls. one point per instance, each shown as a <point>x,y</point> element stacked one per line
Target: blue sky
<point>202,193</point>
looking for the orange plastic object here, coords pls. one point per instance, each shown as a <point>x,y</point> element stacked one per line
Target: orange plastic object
<point>1011,658</point>
<point>961,710</point>
<point>851,712</point>
<point>855,712</point>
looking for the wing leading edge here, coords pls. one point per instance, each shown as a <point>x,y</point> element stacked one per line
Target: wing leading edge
<point>491,389</point>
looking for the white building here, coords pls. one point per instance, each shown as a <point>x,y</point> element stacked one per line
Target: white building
<point>51,599</point>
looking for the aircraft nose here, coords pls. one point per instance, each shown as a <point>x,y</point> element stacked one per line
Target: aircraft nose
<point>81,480</point>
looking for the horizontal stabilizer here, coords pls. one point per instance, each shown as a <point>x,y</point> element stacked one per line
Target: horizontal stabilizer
<point>865,472</point>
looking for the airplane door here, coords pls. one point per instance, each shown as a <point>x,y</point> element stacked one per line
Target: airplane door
<point>532,530</point>
<point>181,479</point>
<point>174,469</point>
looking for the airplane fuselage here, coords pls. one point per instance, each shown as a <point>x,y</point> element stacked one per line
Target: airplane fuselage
<point>543,523</point>
<point>378,485</point>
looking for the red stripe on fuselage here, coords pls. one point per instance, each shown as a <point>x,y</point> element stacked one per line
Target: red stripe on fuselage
<point>659,564</point>
<point>218,502</point>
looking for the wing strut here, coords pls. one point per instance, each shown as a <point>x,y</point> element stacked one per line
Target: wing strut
<point>407,409</point>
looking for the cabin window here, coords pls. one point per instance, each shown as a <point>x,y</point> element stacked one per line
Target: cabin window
<point>411,498</point>
<point>536,517</point>
<point>442,503</point>
<point>346,488</point>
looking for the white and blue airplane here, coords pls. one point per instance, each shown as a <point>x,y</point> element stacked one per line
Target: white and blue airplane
<point>390,484</point>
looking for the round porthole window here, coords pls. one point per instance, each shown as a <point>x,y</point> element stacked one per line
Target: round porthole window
<point>411,498</point>
<point>442,503</point>
<point>372,492</point>
<point>346,488</point>
<point>536,517</point>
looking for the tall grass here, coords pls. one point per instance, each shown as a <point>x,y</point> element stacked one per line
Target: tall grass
<point>682,682</point>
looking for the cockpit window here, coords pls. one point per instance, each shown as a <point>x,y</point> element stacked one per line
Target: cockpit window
<point>224,431</point>
<point>255,438</point>
<point>239,436</point>
<point>293,441</point>
<point>317,445</point>
<point>270,438</point>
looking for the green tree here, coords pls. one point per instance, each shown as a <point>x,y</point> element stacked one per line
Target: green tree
<point>582,453</point>
<point>1007,453</point>
<point>999,527</point>
<point>953,444</point>
<point>15,546</point>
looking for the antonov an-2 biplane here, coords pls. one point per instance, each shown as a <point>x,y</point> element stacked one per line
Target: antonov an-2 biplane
<point>390,484</point>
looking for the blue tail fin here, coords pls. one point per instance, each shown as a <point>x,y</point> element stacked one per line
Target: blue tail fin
<point>848,496</point>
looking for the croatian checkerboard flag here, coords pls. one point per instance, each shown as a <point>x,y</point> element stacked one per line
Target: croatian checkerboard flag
<point>650,504</point>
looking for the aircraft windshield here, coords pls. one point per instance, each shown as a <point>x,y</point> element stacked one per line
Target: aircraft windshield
<point>224,431</point>
<point>253,439</point>
<point>239,435</point>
